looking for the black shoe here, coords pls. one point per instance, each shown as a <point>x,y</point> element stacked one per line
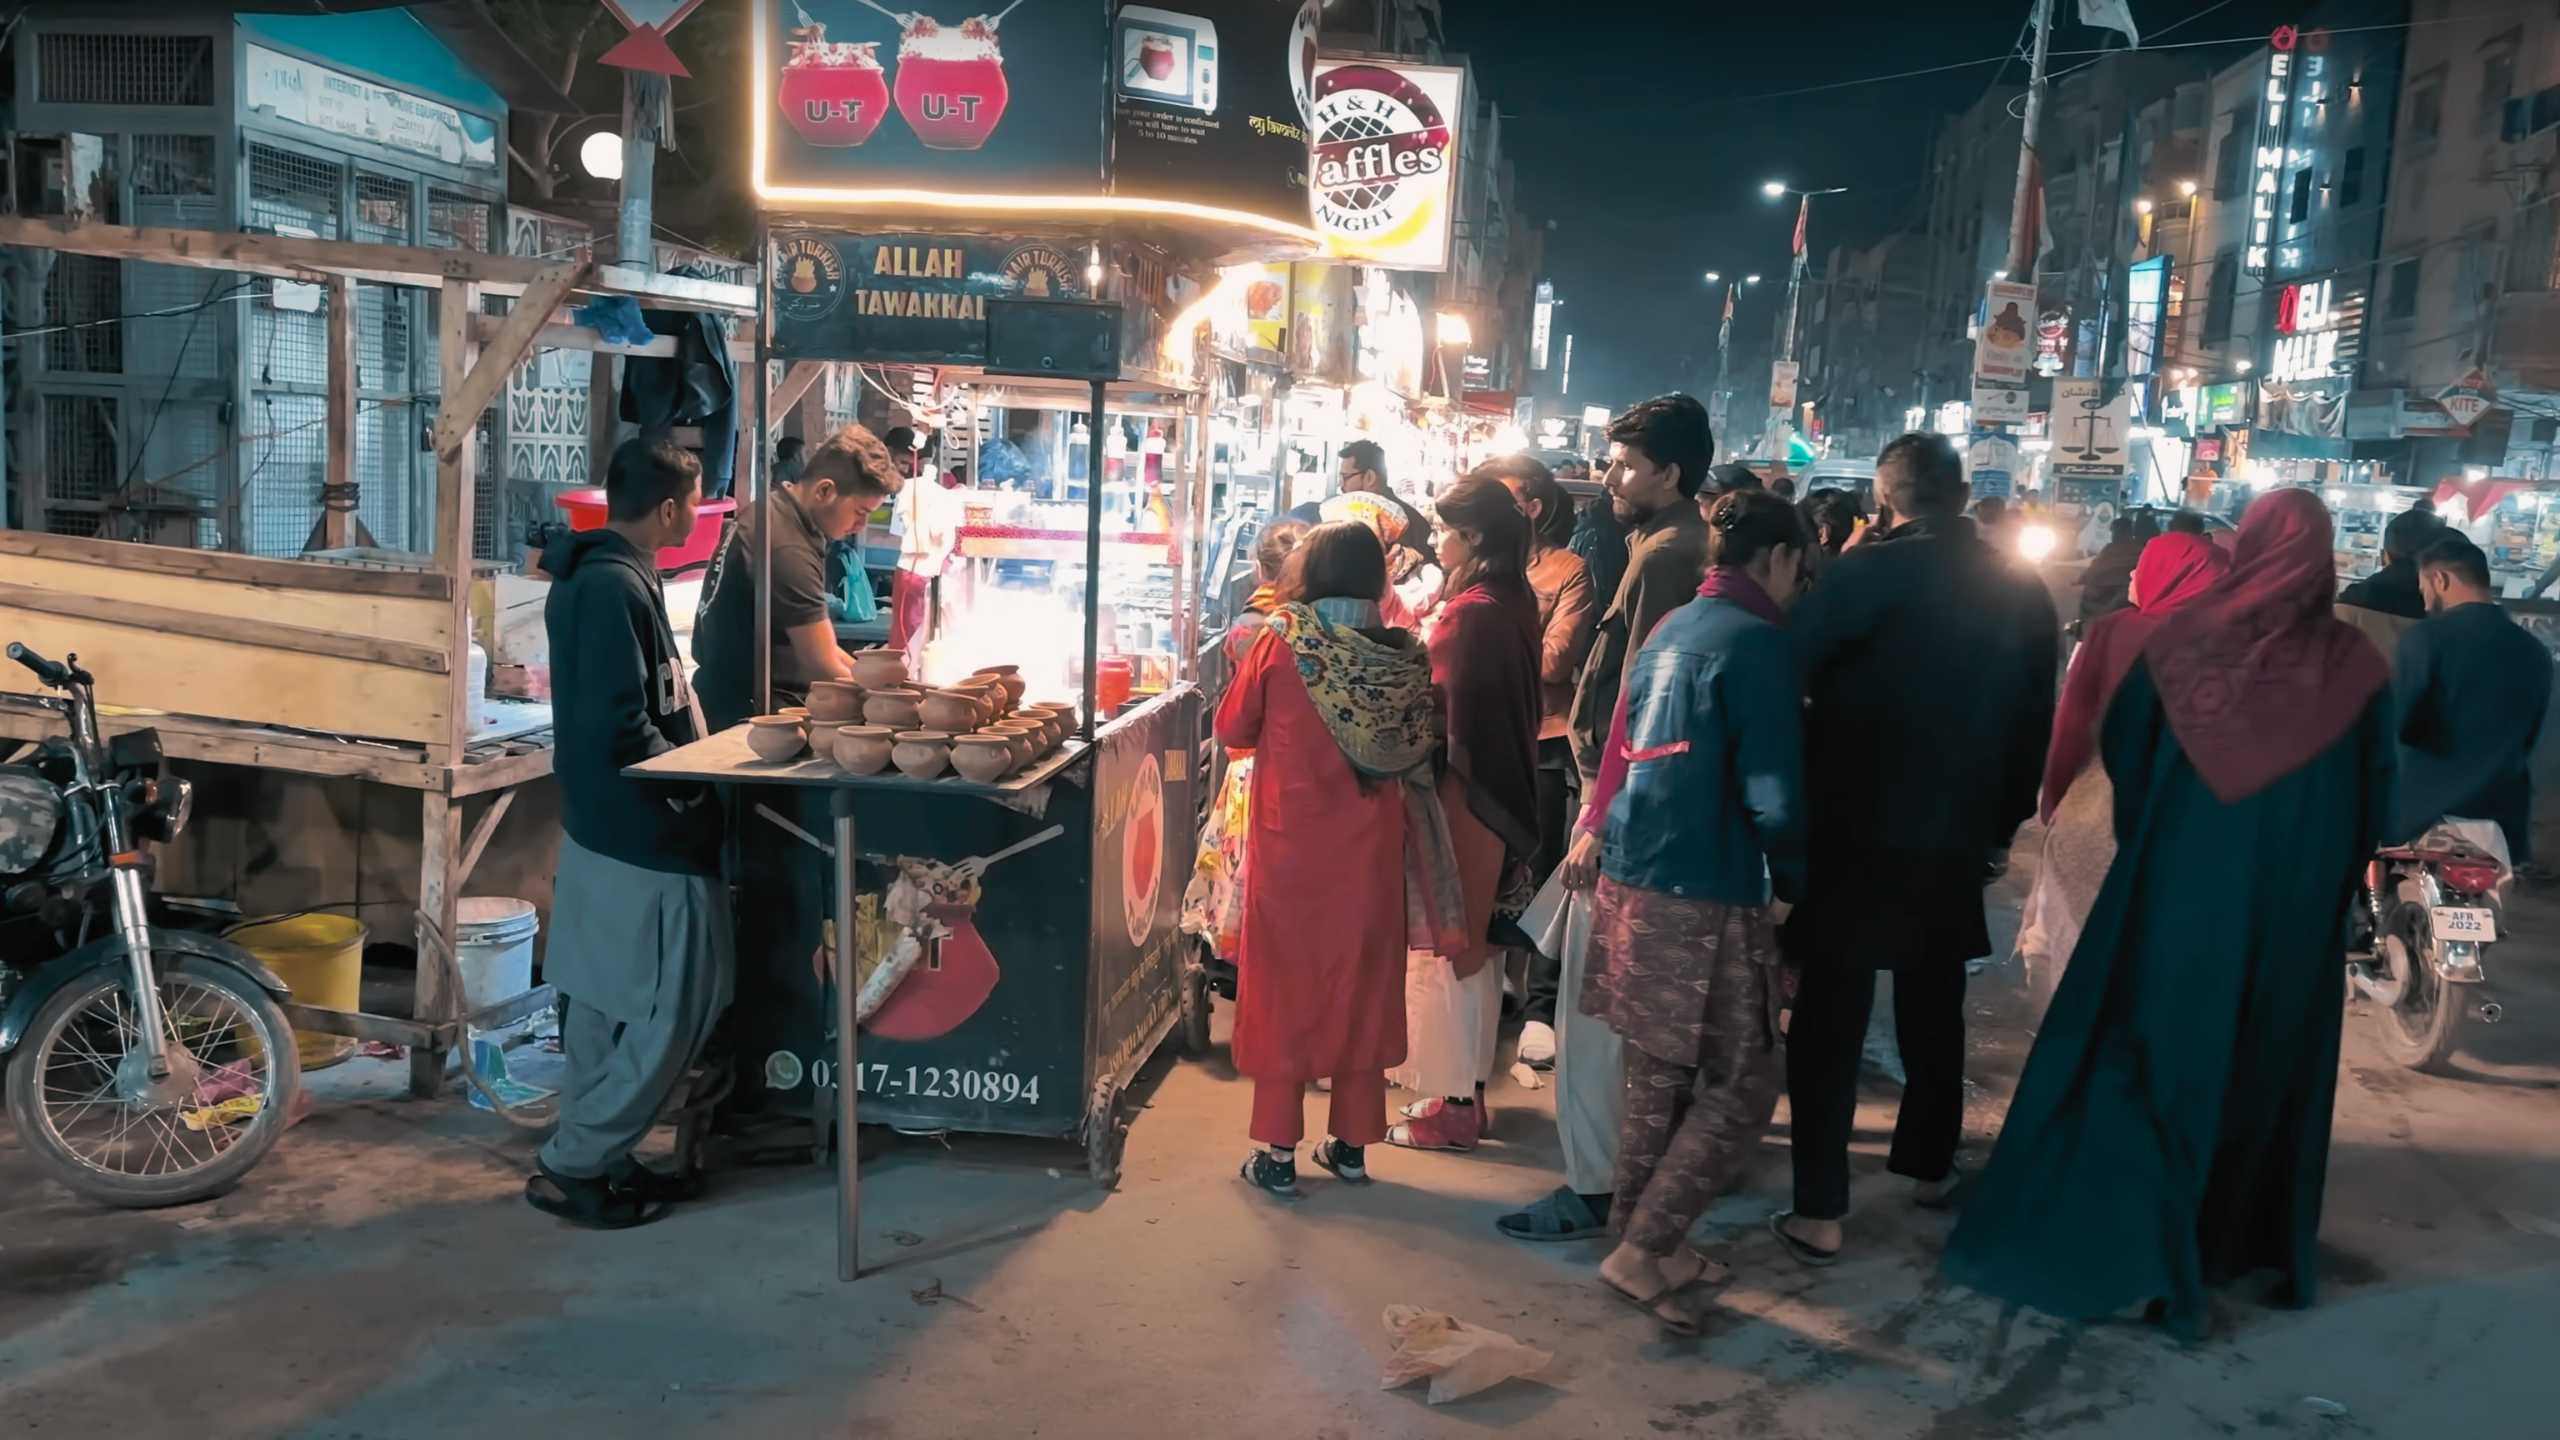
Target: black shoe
<point>1346,1163</point>
<point>1265,1171</point>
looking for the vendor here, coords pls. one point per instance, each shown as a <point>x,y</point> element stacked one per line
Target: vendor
<point>845,478</point>
<point>927,521</point>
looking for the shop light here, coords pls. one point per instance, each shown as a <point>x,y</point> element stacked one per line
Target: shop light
<point>2142,205</point>
<point>2186,189</point>
<point>1453,328</point>
<point>2245,366</point>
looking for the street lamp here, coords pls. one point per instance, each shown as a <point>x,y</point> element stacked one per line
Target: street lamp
<point>2186,189</point>
<point>1454,329</point>
<point>600,155</point>
<point>1774,189</point>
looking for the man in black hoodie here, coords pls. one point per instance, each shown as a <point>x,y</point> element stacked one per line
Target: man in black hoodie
<point>640,939</point>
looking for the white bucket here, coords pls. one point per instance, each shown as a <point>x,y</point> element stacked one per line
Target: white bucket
<point>493,946</point>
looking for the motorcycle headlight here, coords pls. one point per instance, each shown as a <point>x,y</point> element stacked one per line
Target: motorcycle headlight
<point>166,804</point>
<point>2036,542</point>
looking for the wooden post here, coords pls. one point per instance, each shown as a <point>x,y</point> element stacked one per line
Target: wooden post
<point>338,526</point>
<point>439,913</point>
<point>604,428</point>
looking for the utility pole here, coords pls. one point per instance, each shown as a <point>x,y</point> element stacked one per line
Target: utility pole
<point>2022,260</point>
<point>1795,273</point>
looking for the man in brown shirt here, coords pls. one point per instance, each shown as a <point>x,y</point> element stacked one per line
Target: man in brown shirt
<point>1658,457</point>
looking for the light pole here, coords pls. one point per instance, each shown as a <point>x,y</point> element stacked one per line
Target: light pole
<point>1724,337</point>
<point>1779,190</point>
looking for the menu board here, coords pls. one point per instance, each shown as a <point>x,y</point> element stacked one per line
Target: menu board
<point>1210,103</point>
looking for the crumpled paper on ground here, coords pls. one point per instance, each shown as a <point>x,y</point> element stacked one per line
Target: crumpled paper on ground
<point>1458,1359</point>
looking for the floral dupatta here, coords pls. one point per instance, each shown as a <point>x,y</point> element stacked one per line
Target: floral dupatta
<point>1376,701</point>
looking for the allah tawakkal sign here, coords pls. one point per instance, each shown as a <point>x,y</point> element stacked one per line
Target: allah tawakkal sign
<point>1385,160</point>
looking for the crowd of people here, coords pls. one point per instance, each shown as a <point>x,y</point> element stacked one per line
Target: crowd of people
<point>1609,777</point>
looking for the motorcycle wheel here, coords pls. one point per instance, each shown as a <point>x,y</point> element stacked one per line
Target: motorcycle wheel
<point>2419,1031</point>
<point>65,1099</point>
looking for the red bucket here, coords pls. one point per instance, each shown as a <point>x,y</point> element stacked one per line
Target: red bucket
<point>586,511</point>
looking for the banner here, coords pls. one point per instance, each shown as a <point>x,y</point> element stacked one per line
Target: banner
<point>1999,404</point>
<point>1210,103</point>
<point>2089,434</point>
<point>1386,160</point>
<point>851,100</point>
<point>907,298</point>
<point>2001,345</point>
<point>1782,385</point>
<point>340,104</point>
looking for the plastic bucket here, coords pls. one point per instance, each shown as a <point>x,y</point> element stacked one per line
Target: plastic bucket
<point>321,957</point>
<point>493,947</point>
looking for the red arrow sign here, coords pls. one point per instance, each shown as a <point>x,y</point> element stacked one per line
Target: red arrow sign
<point>645,48</point>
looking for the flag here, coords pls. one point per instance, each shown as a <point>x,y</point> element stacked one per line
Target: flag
<point>2113,15</point>
<point>2039,230</point>
<point>1804,208</point>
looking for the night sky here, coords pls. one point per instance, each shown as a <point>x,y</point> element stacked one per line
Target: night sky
<point>1645,140</point>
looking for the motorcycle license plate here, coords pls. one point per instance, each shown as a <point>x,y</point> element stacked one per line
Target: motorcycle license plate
<point>2474,923</point>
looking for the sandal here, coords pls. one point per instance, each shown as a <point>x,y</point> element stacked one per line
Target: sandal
<point>651,1183</point>
<point>1555,1218</point>
<point>1262,1172</point>
<point>1804,1252</point>
<point>1437,1125</point>
<point>1947,1195</point>
<point>1329,1156</point>
<point>1663,1305</point>
<point>591,1204</point>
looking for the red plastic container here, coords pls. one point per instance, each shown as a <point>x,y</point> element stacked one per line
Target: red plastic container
<point>586,511</point>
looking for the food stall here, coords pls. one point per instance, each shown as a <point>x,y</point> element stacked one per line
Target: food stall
<point>996,949</point>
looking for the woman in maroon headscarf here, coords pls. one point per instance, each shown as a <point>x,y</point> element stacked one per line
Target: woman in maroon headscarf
<point>2172,1128</point>
<point>2078,809</point>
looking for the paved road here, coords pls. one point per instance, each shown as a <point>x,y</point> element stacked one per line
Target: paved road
<point>381,1278</point>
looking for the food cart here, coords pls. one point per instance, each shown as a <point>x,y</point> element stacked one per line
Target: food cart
<point>1040,245</point>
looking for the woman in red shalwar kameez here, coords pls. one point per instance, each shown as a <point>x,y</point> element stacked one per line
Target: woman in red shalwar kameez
<point>1338,713</point>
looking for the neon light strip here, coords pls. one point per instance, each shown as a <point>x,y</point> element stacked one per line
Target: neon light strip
<point>759,63</point>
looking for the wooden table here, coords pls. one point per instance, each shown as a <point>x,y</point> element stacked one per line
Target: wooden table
<point>725,759</point>
<point>448,853</point>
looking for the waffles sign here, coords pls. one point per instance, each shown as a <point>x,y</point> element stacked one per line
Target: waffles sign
<point>1386,160</point>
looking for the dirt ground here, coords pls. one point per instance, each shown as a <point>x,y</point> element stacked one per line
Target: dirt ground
<point>380,1277</point>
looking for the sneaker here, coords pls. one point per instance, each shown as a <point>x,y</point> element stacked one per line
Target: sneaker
<point>1337,1160</point>
<point>1265,1171</point>
<point>1438,1125</point>
<point>1538,1045</point>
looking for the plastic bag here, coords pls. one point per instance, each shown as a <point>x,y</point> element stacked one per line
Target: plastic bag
<point>1458,1359</point>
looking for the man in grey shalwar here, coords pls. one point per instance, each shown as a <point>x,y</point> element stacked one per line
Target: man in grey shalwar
<point>640,943</point>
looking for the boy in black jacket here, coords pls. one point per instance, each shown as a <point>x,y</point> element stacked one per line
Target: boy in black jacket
<point>640,941</point>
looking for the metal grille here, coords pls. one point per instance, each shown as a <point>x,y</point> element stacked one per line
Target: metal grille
<point>81,293</point>
<point>124,69</point>
<point>288,459</point>
<point>172,165</point>
<point>382,209</point>
<point>173,187</point>
<point>79,448</point>
<point>293,194</point>
<point>459,221</point>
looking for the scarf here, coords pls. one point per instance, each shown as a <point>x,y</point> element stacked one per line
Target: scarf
<point>1735,586</point>
<point>2257,675</point>
<point>2173,571</point>
<point>1376,701</point>
<point>1484,653</point>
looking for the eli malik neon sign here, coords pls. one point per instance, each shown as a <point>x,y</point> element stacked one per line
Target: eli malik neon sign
<point>2292,88</point>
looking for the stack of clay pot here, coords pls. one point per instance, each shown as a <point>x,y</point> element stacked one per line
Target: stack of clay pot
<point>978,727</point>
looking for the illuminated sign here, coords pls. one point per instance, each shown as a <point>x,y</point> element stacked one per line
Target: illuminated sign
<point>2297,89</point>
<point>1386,160</point>
<point>2146,289</point>
<point>2316,327</point>
<point>1539,321</point>
<point>907,298</point>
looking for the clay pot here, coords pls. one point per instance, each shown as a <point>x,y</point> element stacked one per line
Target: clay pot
<point>794,712</point>
<point>1014,684</point>
<point>835,702</point>
<point>958,711</point>
<point>863,749</point>
<point>921,754</point>
<point>894,708</point>
<point>982,758</point>
<point>1053,729</point>
<point>1025,738</point>
<point>776,738</point>
<point>879,669</point>
<point>987,688</point>
<point>1066,711</point>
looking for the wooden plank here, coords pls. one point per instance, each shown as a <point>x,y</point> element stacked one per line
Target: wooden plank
<point>221,742</point>
<point>675,292</point>
<point>457,481</point>
<point>458,408</point>
<point>225,680</point>
<point>338,526</point>
<point>235,569</point>
<point>263,634</point>
<point>290,257</point>
<point>416,622</point>
<point>557,336</point>
<point>796,383</point>
<point>481,776</point>
<point>483,830</point>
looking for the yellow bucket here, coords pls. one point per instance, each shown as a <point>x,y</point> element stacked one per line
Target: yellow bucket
<point>322,958</point>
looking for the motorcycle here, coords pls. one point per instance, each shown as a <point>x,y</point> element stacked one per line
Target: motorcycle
<point>2431,910</point>
<point>146,1065</point>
